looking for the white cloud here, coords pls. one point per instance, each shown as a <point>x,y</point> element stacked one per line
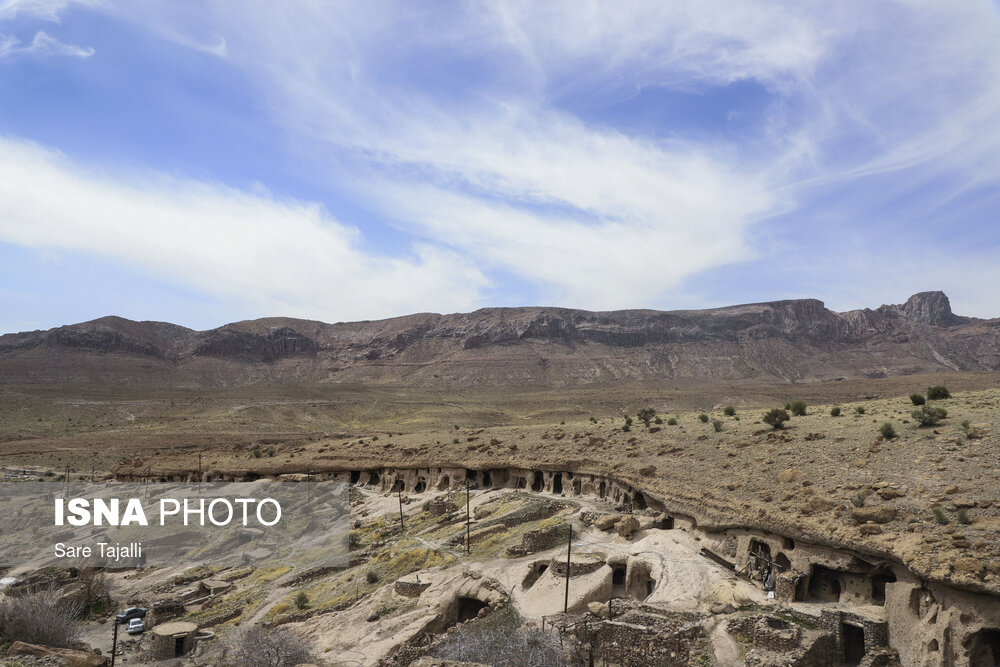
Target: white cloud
<point>286,257</point>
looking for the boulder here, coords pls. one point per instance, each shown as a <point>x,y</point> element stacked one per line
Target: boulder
<point>789,475</point>
<point>66,656</point>
<point>606,522</point>
<point>873,514</point>
<point>627,526</point>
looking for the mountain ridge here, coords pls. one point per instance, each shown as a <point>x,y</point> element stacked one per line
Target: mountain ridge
<point>787,340</point>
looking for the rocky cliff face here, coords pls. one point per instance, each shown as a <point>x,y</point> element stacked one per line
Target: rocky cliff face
<point>794,340</point>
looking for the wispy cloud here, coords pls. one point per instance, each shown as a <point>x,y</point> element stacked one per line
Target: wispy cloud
<point>42,45</point>
<point>285,256</point>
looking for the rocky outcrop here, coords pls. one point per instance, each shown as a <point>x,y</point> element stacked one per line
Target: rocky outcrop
<point>783,341</point>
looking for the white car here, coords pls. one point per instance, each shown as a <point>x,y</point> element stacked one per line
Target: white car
<point>134,625</point>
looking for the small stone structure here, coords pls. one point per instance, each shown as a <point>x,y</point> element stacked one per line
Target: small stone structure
<point>172,640</point>
<point>410,588</point>
<point>534,541</point>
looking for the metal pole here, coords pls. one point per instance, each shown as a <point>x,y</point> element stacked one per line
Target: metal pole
<point>399,492</point>
<point>569,547</point>
<point>199,473</point>
<point>468,520</point>
<point>114,643</point>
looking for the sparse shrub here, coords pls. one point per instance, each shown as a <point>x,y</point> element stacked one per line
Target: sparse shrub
<point>502,642</point>
<point>372,576</point>
<point>626,428</point>
<point>454,441</point>
<point>658,420</point>
<point>717,425</point>
<point>672,421</point>
<point>703,417</point>
<point>268,647</point>
<point>929,416</point>
<point>730,411</point>
<point>970,431</point>
<point>375,437</point>
<point>646,415</point>
<point>456,427</point>
<point>917,399</point>
<point>301,600</point>
<point>887,430</point>
<point>939,515</point>
<point>835,411</point>
<point>963,516</point>
<point>798,408</point>
<point>775,417</point>
<point>860,410</point>
<point>938,392</point>
<point>788,406</point>
<point>628,421</point>
<point>563,422</point>
<point>593,420</point>
<point>858,499</point>
<point>41,616</point>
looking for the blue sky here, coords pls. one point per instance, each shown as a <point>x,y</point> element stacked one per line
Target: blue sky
<point>207,162</point>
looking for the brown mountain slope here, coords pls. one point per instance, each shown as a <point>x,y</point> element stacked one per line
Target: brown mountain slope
<point>782,341</point>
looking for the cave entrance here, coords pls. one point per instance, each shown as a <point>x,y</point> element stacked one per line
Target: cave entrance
<point>444,483</point>
<point>421,486</point>
<point>879,580</point>
<point>373,478</point>
<point>824,585</point>
<point>557,483</point>
<point>577,487</point>
<point>487,479</point>
<point>984,647</point>
<point>355,476</point>
<point>639,501</point>
<point>667,523</point>
<point>521,483</point>
<point>470,475</point>
<point>602,490</point>
<point>760,560</point>
<point>538,483</point>
<point>399,485</point>
<point>784,565</point>
<point>469,608</point>
<point>533,574</point>
<point>854,643</point>
<point>618,581</point>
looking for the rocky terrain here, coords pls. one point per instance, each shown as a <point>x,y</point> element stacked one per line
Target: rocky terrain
<point>781,341</point>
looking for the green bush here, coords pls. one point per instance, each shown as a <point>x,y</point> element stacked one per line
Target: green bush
<point>646,415</point>
<point>703,417</point>
<point>372,577</point>
<point>887,430</point>
<point>717,425</point>
<point>939,515</point>
<point>672,421</point>
<point>970,431</point>
<point>928,416</point>
<point>301,600</point>
<point>729,411</point>
<point>788,406</point>
<point>658,420</point>
<point>798,408</point>
<point>963,517</point>
<point>937,392</point>
<point>775,417</point>
<point>860,410</point>
<point>917,399</point>
<point>835,411</point>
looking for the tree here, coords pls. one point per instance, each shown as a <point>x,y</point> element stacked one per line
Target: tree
<point>937,392</point>
<point>646,415</point>
<point>798,408</point>
<point>301,600</point>
<point>776,417</point>
<point>835,411</point>
<point>268,647</point>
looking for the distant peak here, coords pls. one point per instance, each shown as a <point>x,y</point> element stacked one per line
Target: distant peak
<point>929,308</point>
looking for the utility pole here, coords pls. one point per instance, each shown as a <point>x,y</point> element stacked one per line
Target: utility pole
<point>569,548</point>
<point>114,642</point>
<point>468,520</point>
<point>199,473</point>
<point>399,493</point>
